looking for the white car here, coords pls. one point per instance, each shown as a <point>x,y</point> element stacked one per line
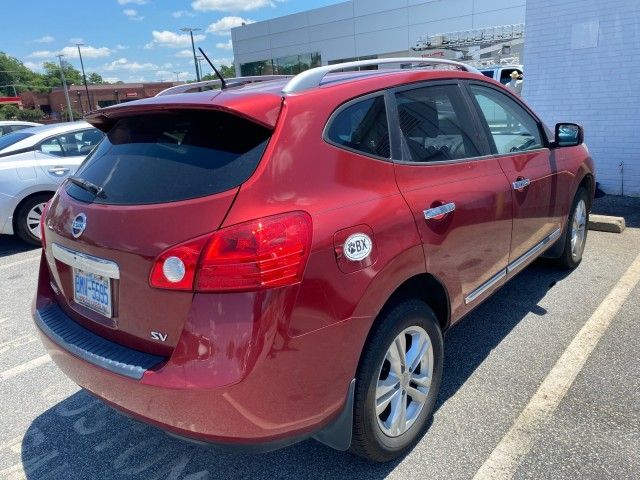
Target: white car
<point>9,126</point>
<point>33,163</point>
<point>501,73</point>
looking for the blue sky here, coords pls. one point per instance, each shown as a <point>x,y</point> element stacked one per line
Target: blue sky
<point>134,40</point>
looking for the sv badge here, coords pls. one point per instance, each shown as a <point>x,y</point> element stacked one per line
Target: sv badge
<point>159,336</point>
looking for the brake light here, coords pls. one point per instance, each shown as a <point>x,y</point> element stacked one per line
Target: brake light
<point>265,253</point>
<point>43,219</point>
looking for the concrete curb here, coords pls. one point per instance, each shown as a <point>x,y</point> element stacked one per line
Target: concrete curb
<point>606,223</point>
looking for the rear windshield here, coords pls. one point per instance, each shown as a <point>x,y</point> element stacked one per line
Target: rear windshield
<point>169,157</point>
<point>11,138</point>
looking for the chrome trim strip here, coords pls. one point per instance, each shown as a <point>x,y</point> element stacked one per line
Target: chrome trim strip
<point>87,263</point>
<point>441,210</point>
<point>532,251</point>
<point>485,286</point>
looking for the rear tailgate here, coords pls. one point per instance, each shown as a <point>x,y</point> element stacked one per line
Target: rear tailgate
<point>164,176</point>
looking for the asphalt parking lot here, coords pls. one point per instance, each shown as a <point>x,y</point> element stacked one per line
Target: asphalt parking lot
<point>496,360</point>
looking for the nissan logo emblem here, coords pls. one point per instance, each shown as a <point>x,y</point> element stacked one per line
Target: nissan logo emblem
<point>78,225</point>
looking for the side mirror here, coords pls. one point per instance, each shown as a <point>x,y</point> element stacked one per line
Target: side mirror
<point>568,135</point>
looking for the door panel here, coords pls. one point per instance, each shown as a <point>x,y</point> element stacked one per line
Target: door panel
<point>461,203</point>
<point>469,245</point>
<point>516,138</point>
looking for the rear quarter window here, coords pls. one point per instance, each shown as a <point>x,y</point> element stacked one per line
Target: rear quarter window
<point>170,157</point>
<point>362,127</point>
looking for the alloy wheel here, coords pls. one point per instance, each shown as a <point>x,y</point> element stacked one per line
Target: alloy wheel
<point>33,219</point>
<point>578,229</point>
<point>404,381</point>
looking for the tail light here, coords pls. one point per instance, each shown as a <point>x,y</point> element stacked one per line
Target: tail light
<point>43,219</point>
<point>264,253</point>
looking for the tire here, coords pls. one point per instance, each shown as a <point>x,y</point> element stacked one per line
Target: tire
<point>27,217</point>
<point>376,436</point>
<point>577,224</point>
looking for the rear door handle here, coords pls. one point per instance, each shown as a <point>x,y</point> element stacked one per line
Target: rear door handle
<point>58,170</point>
<point>436,213</point>
<point>521,183</point>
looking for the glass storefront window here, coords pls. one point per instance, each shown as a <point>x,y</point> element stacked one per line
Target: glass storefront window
<point>289,65</point>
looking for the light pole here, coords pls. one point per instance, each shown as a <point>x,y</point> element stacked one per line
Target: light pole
<point>64,86</point>
<point>200,65</point>
<point>84,77</point>
<point>177,76</point>
<point>193,48</point>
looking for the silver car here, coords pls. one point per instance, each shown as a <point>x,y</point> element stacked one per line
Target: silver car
<point>8,126</point>
<point>33,163</point>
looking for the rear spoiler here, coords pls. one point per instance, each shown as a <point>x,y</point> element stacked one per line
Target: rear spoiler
<point>262,108</point>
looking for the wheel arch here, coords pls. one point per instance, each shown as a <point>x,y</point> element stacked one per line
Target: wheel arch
<point>14,219</point>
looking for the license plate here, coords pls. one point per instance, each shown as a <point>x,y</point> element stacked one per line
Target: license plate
<point>92,291</point>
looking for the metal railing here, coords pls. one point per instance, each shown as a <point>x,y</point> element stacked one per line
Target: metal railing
<point>187,87</point>
<point>313,78</point>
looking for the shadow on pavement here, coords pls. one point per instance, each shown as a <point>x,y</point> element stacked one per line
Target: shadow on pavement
<point>627,207</point>
<point>80,437</point>
<point>10,244</point>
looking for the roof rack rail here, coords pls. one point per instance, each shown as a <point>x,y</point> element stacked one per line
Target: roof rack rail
<point>313,77</point>
<point>187,87</point>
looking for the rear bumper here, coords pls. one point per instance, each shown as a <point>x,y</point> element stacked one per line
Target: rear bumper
<point>278,401</point>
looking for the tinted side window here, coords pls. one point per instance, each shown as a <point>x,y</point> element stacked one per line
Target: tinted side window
<point>52,147</point>
<point>363,127</point>
<point>435,124</point>
<point>511,126</point>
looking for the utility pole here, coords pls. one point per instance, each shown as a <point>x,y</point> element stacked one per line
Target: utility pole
<point>177,76</point>
<point>200,65</point>
<point>84,77</point>
<point>64,86</point>
<point>193,48</point>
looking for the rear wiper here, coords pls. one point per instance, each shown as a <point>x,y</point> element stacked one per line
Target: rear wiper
<point>87,185</point>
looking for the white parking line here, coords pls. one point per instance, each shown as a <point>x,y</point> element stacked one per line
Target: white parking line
<point>19,262</point>
<point>17,342</point>
<point>25,367</point>
<point>509,453</point>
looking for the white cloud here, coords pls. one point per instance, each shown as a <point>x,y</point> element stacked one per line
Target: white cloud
<point>45,39</point>
<point>87,51</point>
<point>182,13</point>
<point>225,24</point>
<point>170,39</point>
<point>132,14</point>
<point>122,64</point>
<point>230,5</point>
<point>164,73</point>
<point>121,47</point>
<point>134,2</point>
<point>111,79</point>
<point>75,40</point>
<point>33,65</point>
<point>167,65</point>
<point>184,54</point>
<point>225,46</point>
<point>42,54</point>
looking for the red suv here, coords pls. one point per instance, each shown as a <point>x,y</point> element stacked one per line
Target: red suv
<point>278,259</point>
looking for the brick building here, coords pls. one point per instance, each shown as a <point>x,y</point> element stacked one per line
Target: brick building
<point>582,63</point>
<point>54,103</point>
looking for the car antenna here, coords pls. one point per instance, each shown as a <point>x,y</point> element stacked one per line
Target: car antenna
<point>223,83</point>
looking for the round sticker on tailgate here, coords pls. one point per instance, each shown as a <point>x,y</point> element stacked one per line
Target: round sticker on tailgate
<point>357,247</point>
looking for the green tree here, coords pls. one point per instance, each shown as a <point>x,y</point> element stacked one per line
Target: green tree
<point>14,75</point>
<point>95,79</point>
<point>30,114</point>
<point>8,112</point>
<point>52,74</point>
<point>225,70</point>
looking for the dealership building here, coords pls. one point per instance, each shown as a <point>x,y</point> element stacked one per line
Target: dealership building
<point>581,57</point>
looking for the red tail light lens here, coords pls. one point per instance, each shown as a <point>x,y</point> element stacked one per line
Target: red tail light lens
<point>43,219</point>
<point>264,253</point>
